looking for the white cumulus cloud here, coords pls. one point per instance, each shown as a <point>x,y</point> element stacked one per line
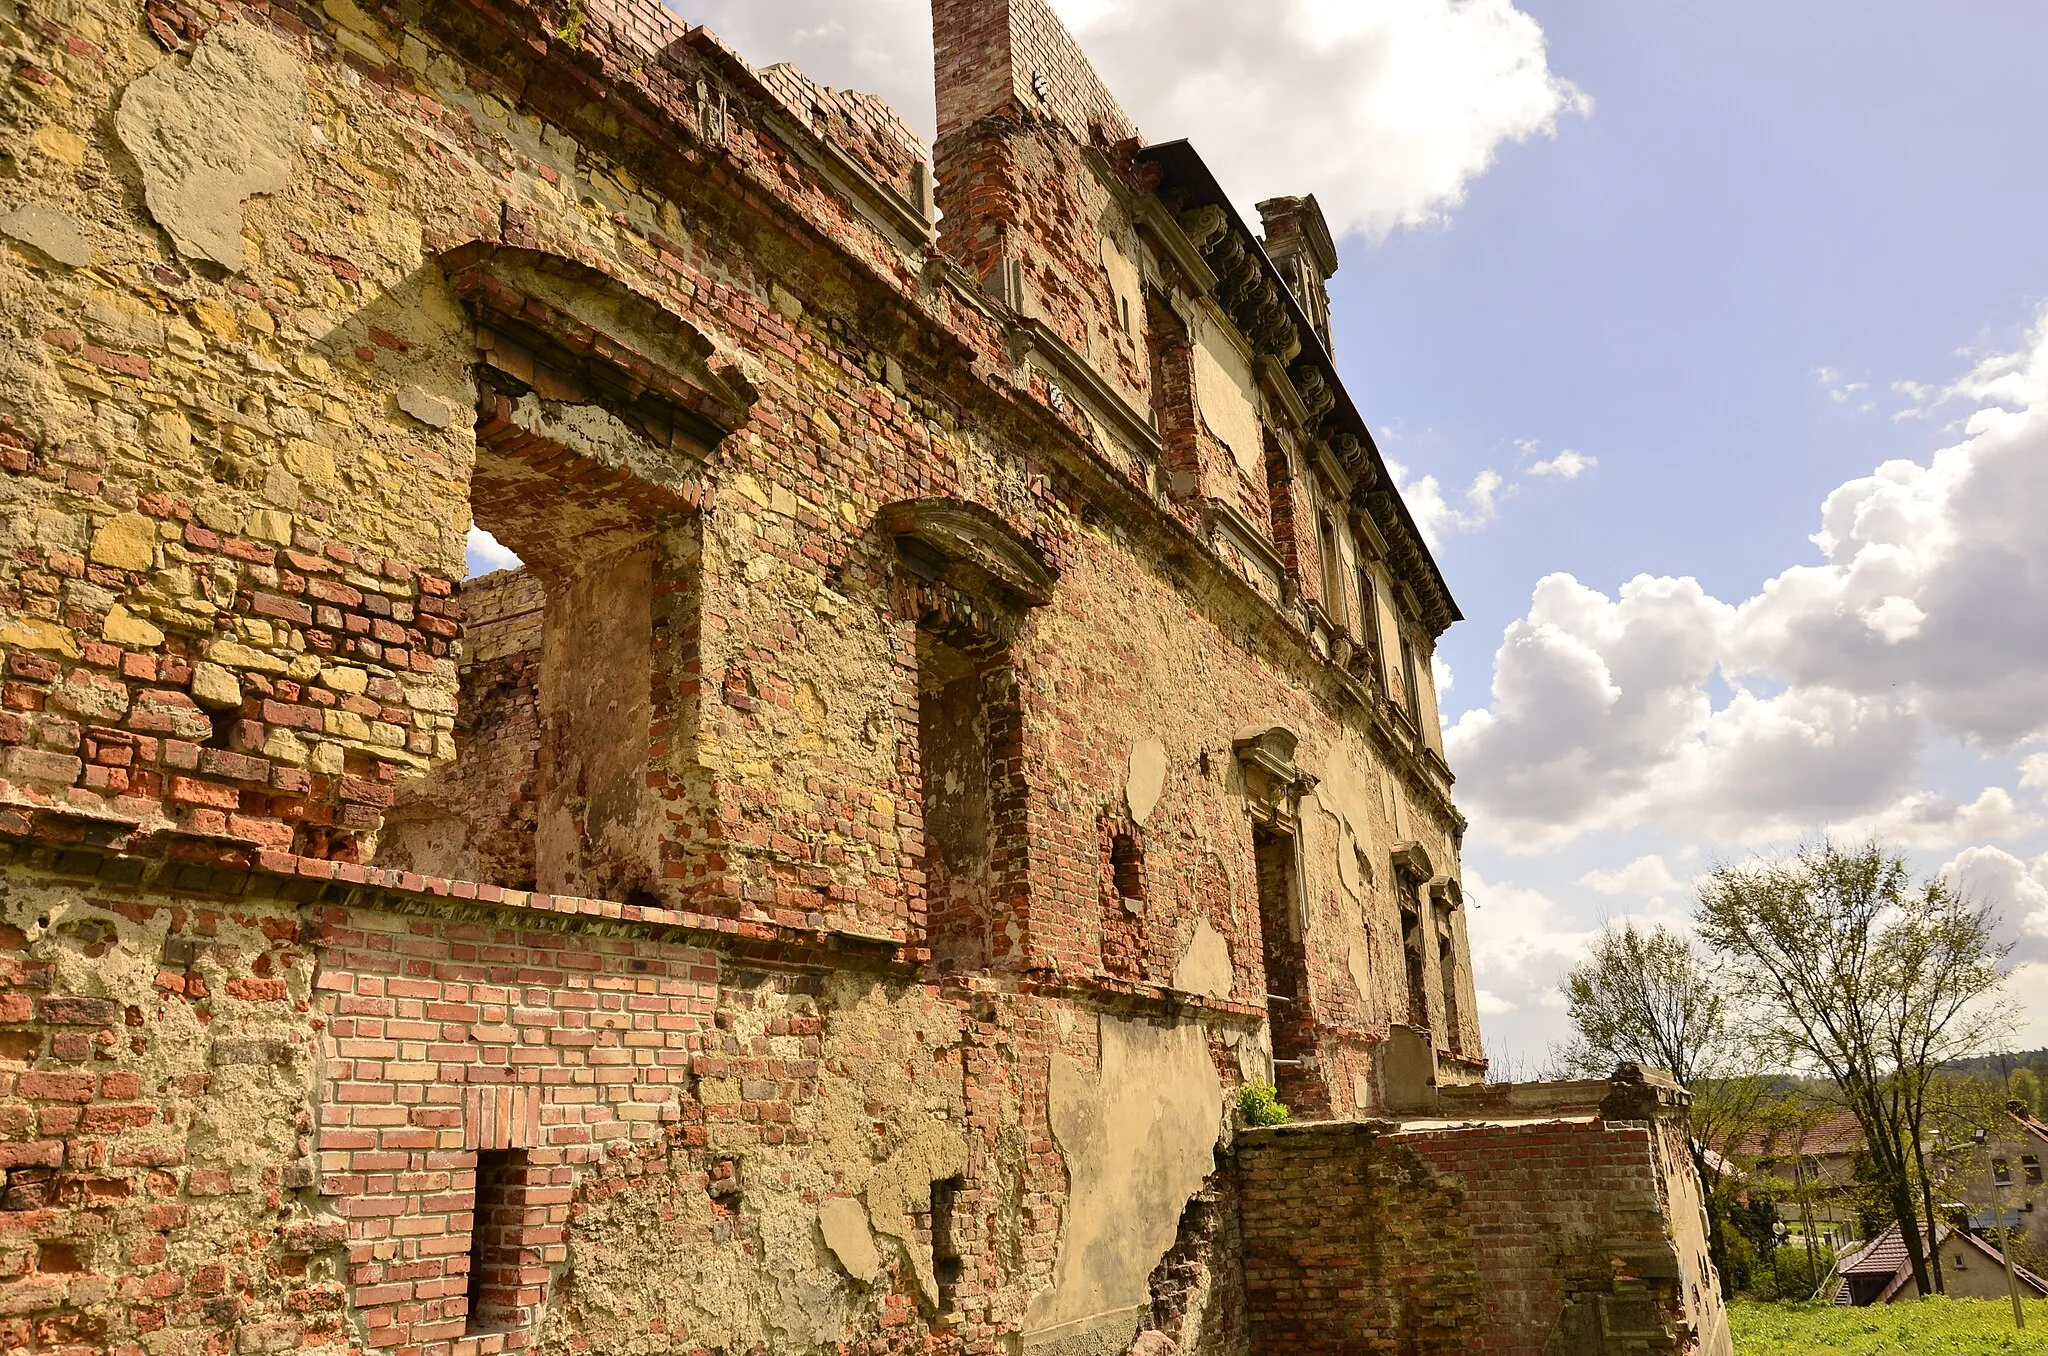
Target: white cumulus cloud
<point>2034,772</point>
<point>2019,891</point>
<point>1566,465</point>
<point>484,553</point>
<point>1385,109</point>
<point>1522,942</point>
<point>1643,876</point>
<point>1478,506</point>
<point>1927,616</point>
<point>1930,821</point>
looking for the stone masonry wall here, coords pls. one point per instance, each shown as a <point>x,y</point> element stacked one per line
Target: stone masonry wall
<point>545,963</point>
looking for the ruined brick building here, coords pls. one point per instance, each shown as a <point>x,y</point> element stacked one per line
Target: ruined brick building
<point>965,709</point>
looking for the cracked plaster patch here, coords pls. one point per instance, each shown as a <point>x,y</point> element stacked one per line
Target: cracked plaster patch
<point>214,132</point>
<point>844,1224</point>
<point>49,231</point>
<point>1146,778</point>
<point>902,1189</point>
<point>1139,1136</point>
<point>1205,966</point>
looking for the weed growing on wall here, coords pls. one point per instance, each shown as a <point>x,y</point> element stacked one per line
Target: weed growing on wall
<point>1260,1102</point>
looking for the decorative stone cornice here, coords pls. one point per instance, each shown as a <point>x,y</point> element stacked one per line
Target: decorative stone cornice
<point>576,319</point>
<point>1273,783</point>
<point>972,543</point>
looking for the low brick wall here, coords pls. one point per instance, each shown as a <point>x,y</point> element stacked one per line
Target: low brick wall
<point>1530,1238</point>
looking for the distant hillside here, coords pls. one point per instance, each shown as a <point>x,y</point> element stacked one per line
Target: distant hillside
<point>2000,1066</point>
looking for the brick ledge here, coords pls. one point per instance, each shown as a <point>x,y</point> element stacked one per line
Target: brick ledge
<point>95,848</point>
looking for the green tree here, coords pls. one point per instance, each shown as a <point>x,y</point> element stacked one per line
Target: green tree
<point>1656,999</point>
<point>2024,1087</point>
<point>1860,974</point>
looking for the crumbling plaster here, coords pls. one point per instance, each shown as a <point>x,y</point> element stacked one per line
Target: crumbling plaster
<point>1228,398</point>
<point>1139,1135</point>
<point>213,132</point>
<point>251,339</point>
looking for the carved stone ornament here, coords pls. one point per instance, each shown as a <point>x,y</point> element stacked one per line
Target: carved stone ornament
<point>1273,783</point>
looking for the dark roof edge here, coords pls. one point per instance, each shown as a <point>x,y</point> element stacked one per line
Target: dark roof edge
<point>1180,162</point>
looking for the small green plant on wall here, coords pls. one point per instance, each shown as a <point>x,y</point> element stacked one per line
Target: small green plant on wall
<point>1260,1102</point>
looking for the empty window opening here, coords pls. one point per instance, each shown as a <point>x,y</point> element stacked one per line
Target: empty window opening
<point>949,1262</point>
<point>1368,612</point>
<point>571,565</point>
<point>1411,694</point>
<point>1127,866</point>
<point>953,738</point>
<point>499,1297</point>
<point>2030,1167</point>
<point>2001,1171</point>
<point>1333,577</point>
<point>1418,980</point>
<point>1286,960</point>
<point>1447,974</point>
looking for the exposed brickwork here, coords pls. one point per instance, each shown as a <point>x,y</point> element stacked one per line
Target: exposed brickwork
<point>272,702</point>
<point>473,819</point>
<point>1532,1235</point>
<point>723,933</point>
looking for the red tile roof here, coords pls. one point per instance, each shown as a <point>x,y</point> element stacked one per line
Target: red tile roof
<point>1885,1255</point>
<point>1835,1133</point>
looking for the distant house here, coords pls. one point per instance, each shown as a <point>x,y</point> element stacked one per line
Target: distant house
<point>2015,1156</point>
<point>1881,1273</point>
<point>1817,1160</point>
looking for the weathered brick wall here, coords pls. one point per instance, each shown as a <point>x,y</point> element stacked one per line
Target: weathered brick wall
<point>988,53</point>
<point>1530,1236</point>
<point>249,1109</point>
<point>779,771</point>
<point>1118,649</point>
<point>672,329</point>
<point>473,819</point>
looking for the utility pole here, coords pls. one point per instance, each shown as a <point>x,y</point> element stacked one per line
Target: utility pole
<point>1999,1182</point>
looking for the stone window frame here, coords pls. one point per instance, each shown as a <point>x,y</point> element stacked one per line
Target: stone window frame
<point>963,576</point>
<point>559,330</point>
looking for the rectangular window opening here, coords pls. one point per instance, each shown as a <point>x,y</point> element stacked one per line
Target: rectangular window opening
<point>496,1301</point>
<point>1286,953</point>
<point>1127,866</point>
<point>1368,612</point>
<point>954,738</point>
<point>949,1262</point>
<point>1333,578</point>
<point>1411,948</point>
<point>2031,1166</point>
<point>1447,972</point>
<point>1411,694</point>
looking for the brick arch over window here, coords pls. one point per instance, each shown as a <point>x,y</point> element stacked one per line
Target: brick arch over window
<point>596,412</point>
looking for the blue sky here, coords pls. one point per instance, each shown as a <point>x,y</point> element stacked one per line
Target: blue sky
<point>1768,206</point>
<point>1745,260</point>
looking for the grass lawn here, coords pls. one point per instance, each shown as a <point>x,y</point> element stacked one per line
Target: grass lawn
<point>1940,1327</point>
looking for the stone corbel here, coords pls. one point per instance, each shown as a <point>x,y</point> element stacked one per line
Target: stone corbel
<point>1273,783</point>
<point>967,571</point>
<point>1412,863</point>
